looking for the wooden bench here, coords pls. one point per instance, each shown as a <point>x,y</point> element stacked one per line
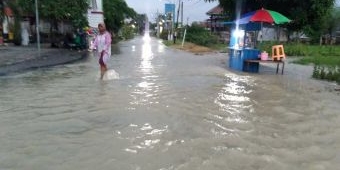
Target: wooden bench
<point>277,62</point>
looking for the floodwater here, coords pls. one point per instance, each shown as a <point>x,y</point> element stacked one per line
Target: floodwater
<point>167,110</point>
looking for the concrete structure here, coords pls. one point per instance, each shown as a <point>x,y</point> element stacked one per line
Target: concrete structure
<point>95,13</point>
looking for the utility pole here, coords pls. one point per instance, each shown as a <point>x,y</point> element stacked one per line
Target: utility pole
<point>182,15</point>
<point>179,7</point>
<point>157,21</point>
<point>37,25</point>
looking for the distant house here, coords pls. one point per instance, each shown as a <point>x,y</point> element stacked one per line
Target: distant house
<point>95,13</point>
<point>215,23</point>
<point>216,19</point>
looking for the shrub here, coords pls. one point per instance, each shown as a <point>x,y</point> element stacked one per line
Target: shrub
<point>127,32</point>
<point>200,36</point>
<point>164,35</point>
<point>329,73</point>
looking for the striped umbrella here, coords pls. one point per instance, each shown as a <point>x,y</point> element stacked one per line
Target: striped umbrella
<point>264,15</point>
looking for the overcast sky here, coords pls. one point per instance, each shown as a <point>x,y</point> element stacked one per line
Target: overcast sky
<point>194,10</point>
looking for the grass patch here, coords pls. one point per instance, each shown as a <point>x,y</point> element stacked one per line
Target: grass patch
<point>220,47</point>
<point>169,43</point>
<point>325,58</point>
<point>299,49</point>
<point>319,60</point>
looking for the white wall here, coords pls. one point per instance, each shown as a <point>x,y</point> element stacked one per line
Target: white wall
<point>95,18</point>
<point>271,33</point>
<point>95,14</point>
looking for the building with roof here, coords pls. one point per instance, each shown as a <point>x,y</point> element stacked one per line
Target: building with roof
<point>216,18</point>
<point>216,23</point>
<point>95,13</point>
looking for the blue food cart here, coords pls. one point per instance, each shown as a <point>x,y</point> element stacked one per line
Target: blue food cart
<point>243,47</point>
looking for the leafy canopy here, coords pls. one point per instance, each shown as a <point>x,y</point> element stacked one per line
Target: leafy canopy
<point>115,11</point>
<point>72,10</point>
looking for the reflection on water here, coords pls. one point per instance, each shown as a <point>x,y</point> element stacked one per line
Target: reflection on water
<point>144,137</point>
<point>146,57</point>
<point>168,110</point>
<point>146,89</point>
<point>234,102</point>
<point>233,97</point>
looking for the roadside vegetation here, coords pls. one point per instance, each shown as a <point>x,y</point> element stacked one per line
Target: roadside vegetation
<point>198,35</point>
<point>324,58</point>
<point>197,40</point>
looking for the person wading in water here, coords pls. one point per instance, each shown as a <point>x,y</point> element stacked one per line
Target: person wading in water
<point>102,44</point>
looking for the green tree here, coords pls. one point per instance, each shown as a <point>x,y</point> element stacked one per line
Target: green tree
<point>115,11</point>
<point>198,35</point>
<point>17,22</point>
<point>333,21</point>
<point>140,21</point>
<point>58,10</point>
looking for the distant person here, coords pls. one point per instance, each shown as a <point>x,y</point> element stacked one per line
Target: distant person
<point>80,39</point>
<point>77,39</point>
<point>102,44</point>
<point>175,36</point>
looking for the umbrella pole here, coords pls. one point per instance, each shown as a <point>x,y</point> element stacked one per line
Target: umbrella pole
<point>255,39</point>
<point>261,32</point>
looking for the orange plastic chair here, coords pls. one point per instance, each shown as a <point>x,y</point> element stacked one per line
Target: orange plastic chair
<point>278,53</point>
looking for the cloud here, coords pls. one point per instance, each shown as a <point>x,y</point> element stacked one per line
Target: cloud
<point>193,10</point>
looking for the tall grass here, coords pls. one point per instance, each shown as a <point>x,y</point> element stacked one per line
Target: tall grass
<point>303,50</point>
<point>325,58</point>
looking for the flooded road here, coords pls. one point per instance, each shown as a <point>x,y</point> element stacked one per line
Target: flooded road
<point>168,110</point>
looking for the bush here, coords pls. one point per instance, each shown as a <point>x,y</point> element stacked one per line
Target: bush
<point>127,32</point>
<point>200,36</point>
<point>325,58</point>
<point>17,31</point>
<point>164,35</point>
<point>326,73</point>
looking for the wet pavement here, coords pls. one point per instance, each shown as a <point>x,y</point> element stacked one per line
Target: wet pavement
<point>167,110</point>
<point>20,58</point>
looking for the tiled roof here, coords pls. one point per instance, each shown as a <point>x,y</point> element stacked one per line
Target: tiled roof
<point>216,10</point>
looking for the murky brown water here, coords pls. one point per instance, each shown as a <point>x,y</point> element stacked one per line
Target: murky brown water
<point>169,110</point>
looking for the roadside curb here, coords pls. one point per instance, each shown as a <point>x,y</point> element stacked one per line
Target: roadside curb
<point>46,59</point>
